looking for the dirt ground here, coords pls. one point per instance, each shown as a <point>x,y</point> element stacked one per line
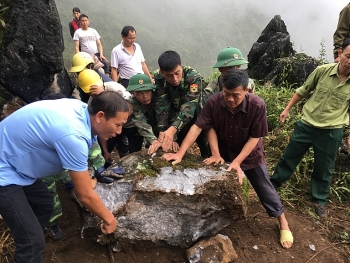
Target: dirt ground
<point>255,239</point>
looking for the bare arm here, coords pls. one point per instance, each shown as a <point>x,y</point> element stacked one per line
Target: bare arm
<point>294,100</point>
<point>91,200</point>
<point>146,71</point>
<point>100,49</point>
<point>247,149</point>
<point>76,46</point>
<point>214,148</point>
<point>114,74</point>
<point>187,142</point>
<point>107,155</point>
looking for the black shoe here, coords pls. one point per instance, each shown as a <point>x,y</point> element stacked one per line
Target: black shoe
<point>321,210</point>
<point>55,233</point>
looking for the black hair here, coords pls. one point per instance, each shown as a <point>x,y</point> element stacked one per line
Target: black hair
<point>235,77</point>
<point>169,60</point>
<point>53,96</point>
<point>82,16</point>
<point>126,29</point>
<point>346,43</point>
<point>109,102</point>
<point>76,9</point>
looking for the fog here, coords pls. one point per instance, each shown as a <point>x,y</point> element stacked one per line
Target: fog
<point>199,29</point>
<point>307,21</point>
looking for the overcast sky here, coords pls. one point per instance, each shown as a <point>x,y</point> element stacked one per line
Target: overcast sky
<point>307,21</point>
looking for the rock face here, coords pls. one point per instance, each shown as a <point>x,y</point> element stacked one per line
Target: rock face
<point>167,205</point>
<point>216,249</point>
<point>272,57</point>
<point>31,59</point>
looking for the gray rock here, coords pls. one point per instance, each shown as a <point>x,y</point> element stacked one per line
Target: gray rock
<point>167,205</point>
<point>272,57</point>
<point>31,58</point>
<point>216,249</point>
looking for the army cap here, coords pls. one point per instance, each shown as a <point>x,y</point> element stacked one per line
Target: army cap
<point>229,57</point>
<point>140,82</point>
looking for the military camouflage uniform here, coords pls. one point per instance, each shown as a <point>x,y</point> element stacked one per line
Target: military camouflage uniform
<point>145,119</point>
<point>180,106</point>
<point>216,85</point>
<point>96,160</point>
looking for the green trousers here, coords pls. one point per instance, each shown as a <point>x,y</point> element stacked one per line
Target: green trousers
<point>95,160</point>
<point>325,143</point>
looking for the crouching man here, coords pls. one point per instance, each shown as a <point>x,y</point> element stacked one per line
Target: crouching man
<point>239,118</point>
<point>44,138</point>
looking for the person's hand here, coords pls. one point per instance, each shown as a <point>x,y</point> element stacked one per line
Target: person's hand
<point>115,173</point>
<point>95,90</point>
<point>237,167</point>
<point>103,58</point>
<point>167,138</point>
<point>175,157</point>
<point>214,159</point>
<point>175,146</point>
<point>153,82</point>
<point>108,157</point>
<point>108,228</point>
<point>284,115</point>
<point>154,147</point>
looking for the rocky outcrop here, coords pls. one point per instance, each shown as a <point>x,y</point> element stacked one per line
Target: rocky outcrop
<point>31,59</point>
<point>272,57</point>
<point>160,204</point>
<point>216,249</point>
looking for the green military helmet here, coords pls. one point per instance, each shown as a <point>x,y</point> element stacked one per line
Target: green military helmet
<point>140,82</point>
<point>229,57</point>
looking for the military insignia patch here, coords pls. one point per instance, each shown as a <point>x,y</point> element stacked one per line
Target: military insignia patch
<point>235,56</point>
<point>194,87</point>
<point>141,81</point>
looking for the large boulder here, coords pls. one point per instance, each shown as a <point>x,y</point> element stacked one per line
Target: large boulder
<point>272,57</point>
<point>31,59</point>
<point>156,203</point>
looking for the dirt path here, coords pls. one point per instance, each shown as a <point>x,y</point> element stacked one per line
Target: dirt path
<point>258,231</point>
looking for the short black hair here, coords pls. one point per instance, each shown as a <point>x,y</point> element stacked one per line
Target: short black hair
<point>346,43</point>
<point>76,9</point>
<point>169,60</point>
<point>126,30</point>
<point>109,102</point>
<point>82,16</point>
<point>236,77</point>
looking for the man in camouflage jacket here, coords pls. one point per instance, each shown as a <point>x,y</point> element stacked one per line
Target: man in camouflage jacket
<point>178,100</point>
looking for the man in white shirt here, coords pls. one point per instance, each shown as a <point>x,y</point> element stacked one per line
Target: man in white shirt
<point>127,58</point>
<point>89,40</point>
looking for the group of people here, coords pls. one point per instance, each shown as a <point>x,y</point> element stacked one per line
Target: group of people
<point>170,110</point>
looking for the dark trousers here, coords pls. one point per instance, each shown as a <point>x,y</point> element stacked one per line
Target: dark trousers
<point>105,64</point>
<point>128,141</point>
<point>26,211</point>
<point>325,143</point>
<point>260,181</point>
<point>201,140</point>
<point>124,82</point>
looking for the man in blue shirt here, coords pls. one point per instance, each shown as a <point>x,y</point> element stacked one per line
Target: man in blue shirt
<point>44,138</point>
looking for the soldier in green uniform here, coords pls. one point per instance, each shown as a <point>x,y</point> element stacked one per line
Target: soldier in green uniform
<point>228,58</point>
<point>144,115</point>
<point>178,98</point>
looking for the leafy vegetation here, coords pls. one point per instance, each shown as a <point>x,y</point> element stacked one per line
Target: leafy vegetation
<point>297,189</point>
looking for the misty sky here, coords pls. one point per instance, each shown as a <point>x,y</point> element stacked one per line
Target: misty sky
<point>307,21</point>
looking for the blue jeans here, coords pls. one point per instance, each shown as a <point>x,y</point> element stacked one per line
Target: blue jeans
<point>26,211</point>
